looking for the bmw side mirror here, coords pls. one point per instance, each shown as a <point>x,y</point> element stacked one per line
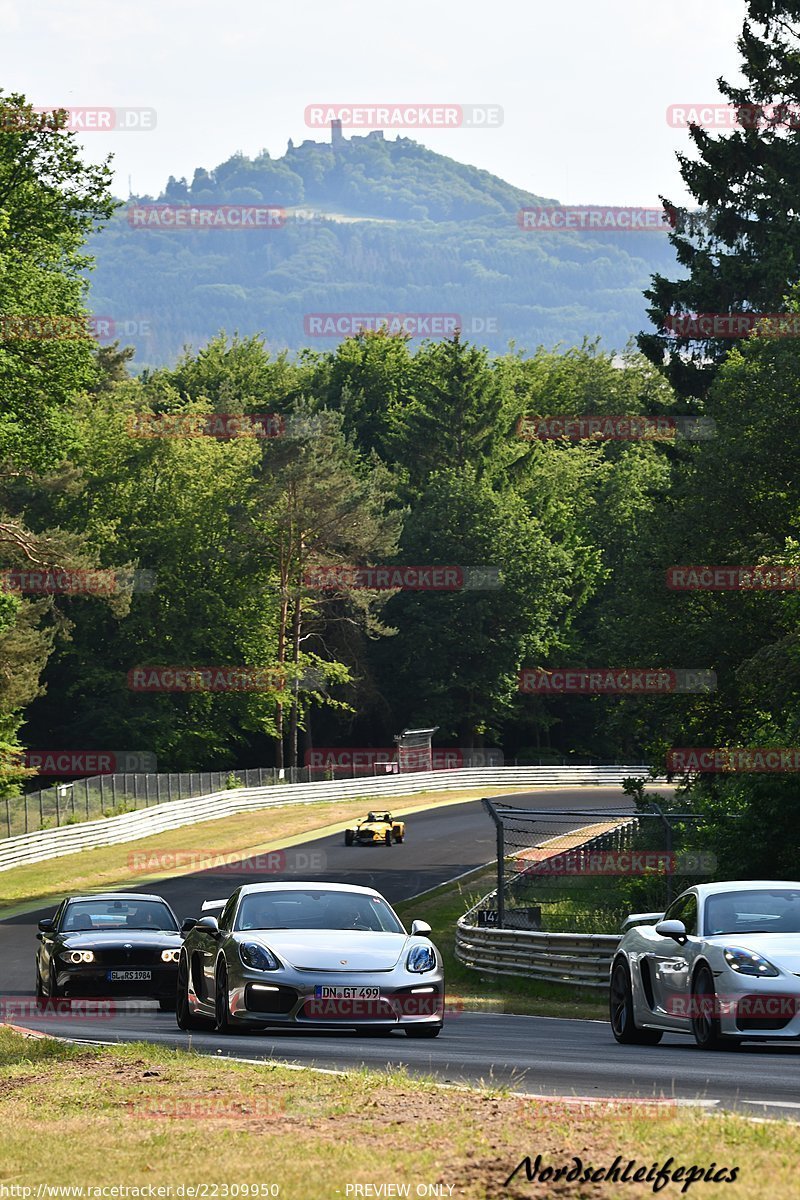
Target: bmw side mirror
<point>672,929</point>
<point>420,927</point>
<point>208,925</point>
<point>188,925</point>
<point>46,925</point>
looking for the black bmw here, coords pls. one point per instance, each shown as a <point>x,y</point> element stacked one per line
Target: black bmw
<point>115,944</point>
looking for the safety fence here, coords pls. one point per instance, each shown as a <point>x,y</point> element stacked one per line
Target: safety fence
<point>567,878</point>
<point>51,843</point>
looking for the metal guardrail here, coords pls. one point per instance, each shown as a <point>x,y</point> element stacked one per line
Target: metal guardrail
<point>129,827</point>
<point>582,959</point>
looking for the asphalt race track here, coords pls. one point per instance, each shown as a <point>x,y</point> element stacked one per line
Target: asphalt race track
<point>535,1055</point>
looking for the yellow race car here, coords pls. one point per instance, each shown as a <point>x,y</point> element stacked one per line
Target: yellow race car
<point>376,828</point>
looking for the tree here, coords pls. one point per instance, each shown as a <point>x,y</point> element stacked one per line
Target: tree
<point>742,251</point>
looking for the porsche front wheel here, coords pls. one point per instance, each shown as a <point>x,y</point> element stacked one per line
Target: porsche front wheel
<point>620,1011</point>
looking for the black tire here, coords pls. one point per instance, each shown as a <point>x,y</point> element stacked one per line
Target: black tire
<point>398,837</point>
<point>185,1018</point>
<point>620,1011</point>
<point>54,992</point>
<point>423,1031</point>
<point>348,837</point>
<point>40,992</point>
<point>388,838</point>
<point>705,1025</point>
<point>222,1012</point>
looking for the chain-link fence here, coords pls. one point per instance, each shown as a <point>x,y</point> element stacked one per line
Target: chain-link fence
<point>585,870</point>
<point>99,796</point>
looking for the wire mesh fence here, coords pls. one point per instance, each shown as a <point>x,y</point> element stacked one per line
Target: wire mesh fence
<point>97,796</point>
<point>586,870</point>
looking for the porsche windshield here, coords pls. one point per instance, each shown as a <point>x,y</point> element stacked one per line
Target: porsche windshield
<point>768,911</point>
<point>309,909</point>
<point>82,916</point>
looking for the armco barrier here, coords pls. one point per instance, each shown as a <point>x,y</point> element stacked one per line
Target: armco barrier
<point>583,959</point>
<point>67,839</point>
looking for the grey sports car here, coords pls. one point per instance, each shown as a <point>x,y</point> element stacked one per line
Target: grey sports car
<point>120,944</point>
<point>318,955</point>
<point>722,963</point>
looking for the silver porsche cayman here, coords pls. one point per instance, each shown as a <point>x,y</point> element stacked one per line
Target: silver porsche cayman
<point>722,963</point>
<point>317,955</point>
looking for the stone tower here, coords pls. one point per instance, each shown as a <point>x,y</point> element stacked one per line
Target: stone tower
<point>337,137</point>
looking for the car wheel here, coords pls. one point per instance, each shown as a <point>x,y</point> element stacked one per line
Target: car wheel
<point>53,990</point>
<point>40,992</point>
<point>423,1031</point>
<point>185,1017</point>
<point>348,837</point>
<point>705,1024</point>
<point>222,1012</point>
<point>399,837</point>
<point>388,838</point>
<point>620,1011</point>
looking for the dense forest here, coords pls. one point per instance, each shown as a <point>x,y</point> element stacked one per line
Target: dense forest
<point>372,226</point>
<point>383,452</point>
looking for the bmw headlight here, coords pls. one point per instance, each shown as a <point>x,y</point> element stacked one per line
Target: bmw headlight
<point>258,957</point>
<point>78,956</point>
<point>745,962</point>
<point>170,955</point>
<point>421,958</point>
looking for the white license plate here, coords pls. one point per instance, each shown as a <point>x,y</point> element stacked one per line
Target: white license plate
<point>325,992</point>
<point>129,976</point>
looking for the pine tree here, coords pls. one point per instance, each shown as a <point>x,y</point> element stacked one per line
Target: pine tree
<point>742,252</point>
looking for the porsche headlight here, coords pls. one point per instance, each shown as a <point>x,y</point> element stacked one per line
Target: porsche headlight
<point>78,956</point>
<point>170,955</point>
<point>258,957</point>
<point>745,962</point>
<point>420,959</point>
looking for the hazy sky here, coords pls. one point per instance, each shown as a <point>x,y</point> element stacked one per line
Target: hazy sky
<point>584,84</point>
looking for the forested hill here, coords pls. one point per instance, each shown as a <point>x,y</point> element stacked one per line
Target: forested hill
<point>373,226</point>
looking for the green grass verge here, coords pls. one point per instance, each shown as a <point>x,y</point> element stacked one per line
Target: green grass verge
<point>441,909</point>
<point>140,1116</point>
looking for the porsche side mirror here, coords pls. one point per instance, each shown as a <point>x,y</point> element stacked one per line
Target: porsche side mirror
<point>46,925</point>
<point>672,929</point>
<point>188,925</point>
<point>420,927</point>
<point>208,925</point>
